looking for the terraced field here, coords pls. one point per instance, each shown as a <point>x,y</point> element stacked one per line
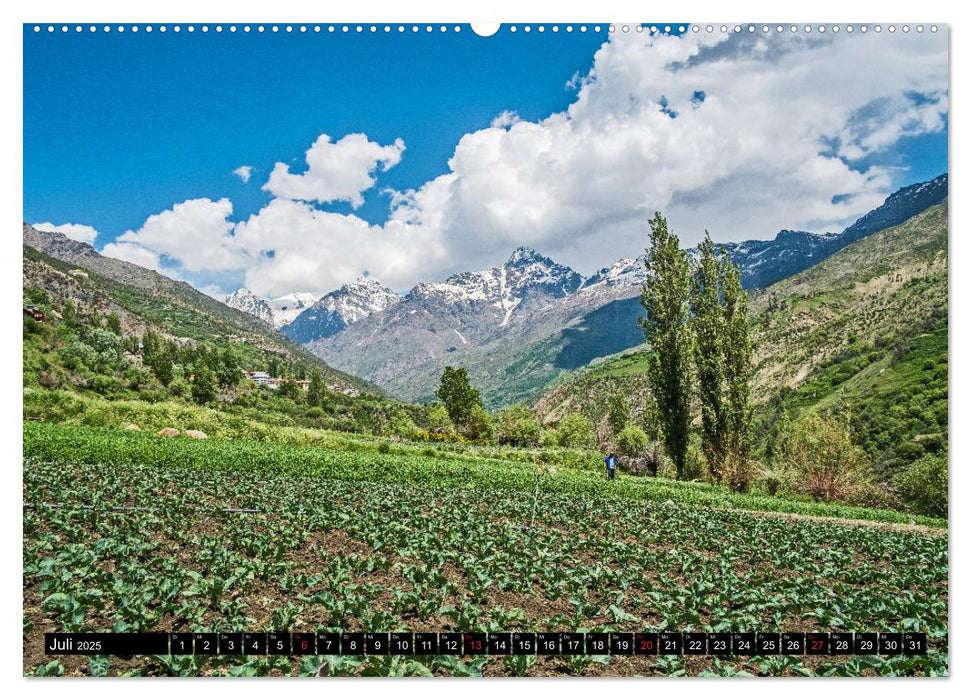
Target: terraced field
<point>332,552</point>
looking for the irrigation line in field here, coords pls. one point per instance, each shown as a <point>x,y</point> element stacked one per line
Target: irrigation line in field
<point>120,509</point>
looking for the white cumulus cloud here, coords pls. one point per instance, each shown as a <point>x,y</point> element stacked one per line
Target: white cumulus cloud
<point>294,245</point>
<point>76,232</point>
<point>194,234</point>
<point>133,253</point>
<point>336,171</point>
<point>742,135</point>
<point>244,172</point>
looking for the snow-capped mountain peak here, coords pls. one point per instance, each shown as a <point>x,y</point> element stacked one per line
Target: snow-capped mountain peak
<point>244,300</point>
<point>340,308</point>
<point>359,299</point>
<point>277,312</point>
<point>289,306</point>
<point>525,272</point>
<point>624,271</point>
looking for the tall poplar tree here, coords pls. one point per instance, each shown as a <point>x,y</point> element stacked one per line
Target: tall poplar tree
<point>708,324</point>
<point>737,349</point>
<point>665,298</point>
<point>723,359</point>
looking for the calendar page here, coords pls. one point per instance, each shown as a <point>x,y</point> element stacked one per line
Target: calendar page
<point>559,350</point>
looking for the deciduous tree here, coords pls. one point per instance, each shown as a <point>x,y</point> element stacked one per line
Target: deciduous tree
<point>665,298</point>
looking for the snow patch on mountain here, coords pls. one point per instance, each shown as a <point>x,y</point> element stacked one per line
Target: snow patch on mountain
<point>625,271</point>
<point>340,308</point>
<point>289,306</point>
<point>504,287</point>
<point>245,300</point>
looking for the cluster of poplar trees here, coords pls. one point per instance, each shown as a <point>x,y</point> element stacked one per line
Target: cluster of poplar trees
<point>698,334</point>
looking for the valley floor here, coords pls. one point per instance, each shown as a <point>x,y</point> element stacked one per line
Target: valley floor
<point>378,541</point>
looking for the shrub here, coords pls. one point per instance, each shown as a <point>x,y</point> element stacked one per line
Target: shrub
<point>778,480</point>
<point>632,441</point>
<point>695,464</point>
<point>923,485</point>
<point>438,419</point>
<point>825,459</point>
<point>738,470</point>
<point>547,438</point>
<point>315,414</point>
<point>479,424</point>
<point>516,426</point>
<point>77,355</point>
<point>871,495</point>
<point>104,384</point>
<point>400,424</point>
<point>48,380</point>
<point>575,430</point>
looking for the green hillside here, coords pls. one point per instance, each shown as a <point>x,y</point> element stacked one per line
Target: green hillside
<point>148,351</point>
<point>864,332</point>
<point>175,310</point>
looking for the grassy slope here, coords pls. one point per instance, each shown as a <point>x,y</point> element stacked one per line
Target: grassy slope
<point>55,443</point>
<point>178,310</point>
<point>866,328</point>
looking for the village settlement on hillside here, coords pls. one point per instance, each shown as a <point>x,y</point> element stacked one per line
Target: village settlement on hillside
<point>261,378</point>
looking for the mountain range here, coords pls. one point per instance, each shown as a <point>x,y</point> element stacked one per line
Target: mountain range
<point>276,312</point>
<point>519,325</point>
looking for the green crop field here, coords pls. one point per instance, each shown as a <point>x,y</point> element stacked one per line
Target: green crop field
<point>384,542</point>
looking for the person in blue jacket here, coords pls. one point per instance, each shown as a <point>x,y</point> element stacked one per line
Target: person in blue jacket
<point>611,462</point>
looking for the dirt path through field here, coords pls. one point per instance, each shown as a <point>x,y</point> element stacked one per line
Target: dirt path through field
<point>898,527</point>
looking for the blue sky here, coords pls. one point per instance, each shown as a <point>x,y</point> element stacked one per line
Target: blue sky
<point>142,132</point>
<point>121,126</point>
